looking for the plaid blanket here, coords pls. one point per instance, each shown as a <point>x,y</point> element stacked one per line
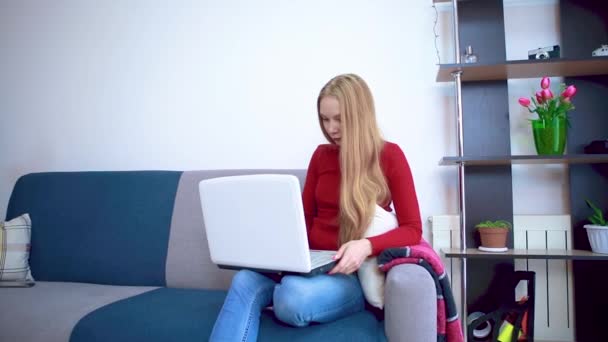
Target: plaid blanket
<point>448,323</point>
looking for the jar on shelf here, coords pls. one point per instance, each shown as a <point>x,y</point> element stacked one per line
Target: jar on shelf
<point>469,56</point>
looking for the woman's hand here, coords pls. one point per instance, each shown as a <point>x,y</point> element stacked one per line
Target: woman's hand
<point>351,256</point>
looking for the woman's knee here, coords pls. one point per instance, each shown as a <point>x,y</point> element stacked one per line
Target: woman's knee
<point>244,278</point>
<point>299,301</point>
<point>249,283</point>
<point>292,302</point>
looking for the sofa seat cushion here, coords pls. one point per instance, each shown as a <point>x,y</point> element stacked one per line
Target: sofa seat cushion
<point>165,314</point>
<point>170,314</point>
<point>362,326</point>
<point>50,310</point>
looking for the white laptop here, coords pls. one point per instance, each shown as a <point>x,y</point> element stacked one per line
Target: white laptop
<point>257,222</point>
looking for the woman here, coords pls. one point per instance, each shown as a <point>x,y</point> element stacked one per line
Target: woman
<point>345,180</point>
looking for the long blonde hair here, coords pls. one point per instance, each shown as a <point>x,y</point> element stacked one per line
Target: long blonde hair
<point>362,183</point>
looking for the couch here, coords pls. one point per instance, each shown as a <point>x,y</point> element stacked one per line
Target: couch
<point>122,256</point>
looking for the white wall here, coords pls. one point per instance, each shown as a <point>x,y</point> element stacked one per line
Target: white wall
<point>121,85</point>
<point>183,85</point>
<point>537,189</point>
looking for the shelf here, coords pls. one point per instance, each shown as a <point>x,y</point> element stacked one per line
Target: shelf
<point>525,69</point>
<point>474,253</point>
<point>522,159</point>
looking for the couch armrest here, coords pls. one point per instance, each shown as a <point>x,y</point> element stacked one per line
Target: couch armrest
<point>410,305</point>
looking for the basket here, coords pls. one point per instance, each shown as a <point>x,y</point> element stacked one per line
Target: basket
<point>598,238</point>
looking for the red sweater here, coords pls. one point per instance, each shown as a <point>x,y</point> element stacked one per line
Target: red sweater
<point>322,192</point>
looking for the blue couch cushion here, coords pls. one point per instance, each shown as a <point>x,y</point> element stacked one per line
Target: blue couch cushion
<point>360,327</point>
<point>169,314</point>
<point>165,314</point>
<point>98,227</point>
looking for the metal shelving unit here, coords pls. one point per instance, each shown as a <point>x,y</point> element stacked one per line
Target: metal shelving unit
<point>525,159</point>
<point>545,254</point>
<point>525,69</point>
<point>486,80</point>
<point>457,76</point>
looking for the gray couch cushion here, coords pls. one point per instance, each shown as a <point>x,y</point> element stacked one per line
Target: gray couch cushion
<point>188,262</point>
<point>50,310</point>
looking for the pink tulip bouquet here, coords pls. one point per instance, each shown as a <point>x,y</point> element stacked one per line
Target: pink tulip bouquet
<point>546,105</point>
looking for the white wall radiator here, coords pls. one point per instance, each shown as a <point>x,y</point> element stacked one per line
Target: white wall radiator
<point>553,305</point>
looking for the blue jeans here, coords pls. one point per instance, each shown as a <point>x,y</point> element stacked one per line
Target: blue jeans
<point>296,300</point>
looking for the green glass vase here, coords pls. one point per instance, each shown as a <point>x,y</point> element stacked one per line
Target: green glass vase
<point>550,136</point>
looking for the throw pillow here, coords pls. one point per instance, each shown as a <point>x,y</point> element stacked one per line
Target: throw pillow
<point>370,276</point>
<point>15,249</point>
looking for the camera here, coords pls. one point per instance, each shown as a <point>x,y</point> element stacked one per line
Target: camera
<point>544,53</point>
<point>601,51</point>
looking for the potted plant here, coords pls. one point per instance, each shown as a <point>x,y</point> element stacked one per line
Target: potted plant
<point>550,128</point>
<point>597,231</point>
<point>493,235</point>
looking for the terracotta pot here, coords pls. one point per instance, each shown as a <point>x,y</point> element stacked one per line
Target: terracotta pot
<point>493,237</point>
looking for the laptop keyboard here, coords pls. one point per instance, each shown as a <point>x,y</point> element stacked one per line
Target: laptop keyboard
<point>320,258</point>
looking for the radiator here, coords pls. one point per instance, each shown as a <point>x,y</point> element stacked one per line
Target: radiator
<point>553,303</point>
